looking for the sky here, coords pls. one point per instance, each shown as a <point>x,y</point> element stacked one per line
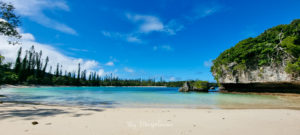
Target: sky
<point>173,39</point>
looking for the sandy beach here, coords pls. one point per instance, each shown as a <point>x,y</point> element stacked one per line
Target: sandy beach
<point>159,67</point>
<point>16,119</point>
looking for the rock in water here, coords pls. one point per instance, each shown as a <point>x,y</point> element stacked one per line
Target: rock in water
<point>197,86</point>
<point>35,123</point>
<point>185,88</point>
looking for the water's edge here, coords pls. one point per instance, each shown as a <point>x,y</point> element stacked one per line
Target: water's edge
<point>146,97</point>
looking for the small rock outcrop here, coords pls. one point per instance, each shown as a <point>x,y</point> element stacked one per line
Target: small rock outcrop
<point>185,88</point>
<point>198,86</point>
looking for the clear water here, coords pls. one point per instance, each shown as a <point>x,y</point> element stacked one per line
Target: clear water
<point>141,97</point>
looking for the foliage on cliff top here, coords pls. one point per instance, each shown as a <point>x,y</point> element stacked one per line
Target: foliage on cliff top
<point>270,48</point>
<point>201,84</point>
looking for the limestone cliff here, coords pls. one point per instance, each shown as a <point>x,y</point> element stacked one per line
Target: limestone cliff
<point>262,74</point>
<point>270,61</point>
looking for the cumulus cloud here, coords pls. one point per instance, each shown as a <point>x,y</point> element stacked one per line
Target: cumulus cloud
<point>129,70</point>
<point>55,56</point>
<point>34,10</point>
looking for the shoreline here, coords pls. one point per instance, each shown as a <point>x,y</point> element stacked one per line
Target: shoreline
<point>165,106</point>
<point>17,119</point>
<point>39,86</point>
<point>289,97</point>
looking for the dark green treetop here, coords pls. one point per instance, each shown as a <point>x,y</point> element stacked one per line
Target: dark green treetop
<point>9,20</point>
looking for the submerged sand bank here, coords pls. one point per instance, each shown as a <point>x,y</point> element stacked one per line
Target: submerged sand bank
<point>16,119</point>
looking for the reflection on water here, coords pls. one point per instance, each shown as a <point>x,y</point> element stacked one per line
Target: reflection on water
<point>144,97</point>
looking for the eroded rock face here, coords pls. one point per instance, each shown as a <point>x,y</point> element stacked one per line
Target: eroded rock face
<point>185,88</point>
<point>261,75</point>
<point>264,79</point>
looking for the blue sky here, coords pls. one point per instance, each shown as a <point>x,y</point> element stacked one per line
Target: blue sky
<point>174,39</point>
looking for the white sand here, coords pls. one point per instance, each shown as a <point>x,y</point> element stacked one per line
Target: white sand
<point>58,120</point>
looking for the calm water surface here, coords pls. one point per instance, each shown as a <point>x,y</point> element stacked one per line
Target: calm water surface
<point>142,97</point>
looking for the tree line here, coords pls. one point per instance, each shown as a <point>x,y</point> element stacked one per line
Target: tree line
<point>32,70</point>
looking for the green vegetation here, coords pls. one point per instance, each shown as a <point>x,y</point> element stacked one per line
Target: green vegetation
<point>194,83</point>
<point>201,84</point>
<point>9,22</point>
<point>293,68</point>
<point>31,70</point>
<point>175,84</point>
<point>271,48</point>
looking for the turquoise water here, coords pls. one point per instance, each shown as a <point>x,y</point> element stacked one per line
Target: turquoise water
<point>139,97</point>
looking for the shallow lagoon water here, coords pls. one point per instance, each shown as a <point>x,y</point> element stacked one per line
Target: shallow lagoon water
<point>142,97</point>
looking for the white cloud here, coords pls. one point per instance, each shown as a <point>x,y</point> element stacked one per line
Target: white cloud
<point>172,79</point>
<point>149,23</point>
<point>2,20</point>
<point>27,36</point>
<point>163,48</point>
<point>34,10</point>
<point>125,37</point>
<point>129,70</point>
<point>101,72</point>
<point>208,63</point>
<point>146,23</point>
<point>110,63</point>
<point>69,63</point>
